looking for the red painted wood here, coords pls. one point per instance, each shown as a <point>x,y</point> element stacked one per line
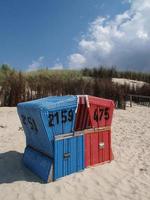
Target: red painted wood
<point>85,115</point>
<point>96,104</point>
<point>87,150</point>
<point>93,153</point>
<point>82,116</point>
<point>94,149</point>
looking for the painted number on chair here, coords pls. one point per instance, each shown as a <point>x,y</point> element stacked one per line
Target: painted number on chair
<point>60,117</point>
<point>29,121</point>
<point>101,113</point>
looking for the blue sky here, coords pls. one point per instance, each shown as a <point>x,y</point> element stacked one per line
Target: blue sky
<point>57,33</point>
<point>30,29</point>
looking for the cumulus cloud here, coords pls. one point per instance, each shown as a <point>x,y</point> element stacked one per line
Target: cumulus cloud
<point>77,60</point>
<point>36,64</point>
<point>123,41</point>
<point>57,66</point>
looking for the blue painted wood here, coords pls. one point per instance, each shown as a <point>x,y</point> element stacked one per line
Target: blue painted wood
<point>39,164</point>
<point>69,156</point>
<point>42,137</point>
<point>36,139</point>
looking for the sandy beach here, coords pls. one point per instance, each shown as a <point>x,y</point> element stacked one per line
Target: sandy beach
<point>126,177</point>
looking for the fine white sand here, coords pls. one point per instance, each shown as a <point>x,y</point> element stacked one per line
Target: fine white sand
<point>127,177</point>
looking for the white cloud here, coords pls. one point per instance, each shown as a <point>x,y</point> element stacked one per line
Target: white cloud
<point>57,66</point>
<point>123,41</point>
<point>76,60</point>
<point>36,64</point>
<point>143,35</point>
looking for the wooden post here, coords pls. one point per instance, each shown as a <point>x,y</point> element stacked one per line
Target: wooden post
<point>130,100</point>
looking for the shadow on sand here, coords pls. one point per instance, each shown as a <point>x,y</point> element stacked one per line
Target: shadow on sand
<point>12,169</point>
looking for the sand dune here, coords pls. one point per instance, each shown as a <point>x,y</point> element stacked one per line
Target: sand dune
<point>127,177</point>
<point>131,83</point>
